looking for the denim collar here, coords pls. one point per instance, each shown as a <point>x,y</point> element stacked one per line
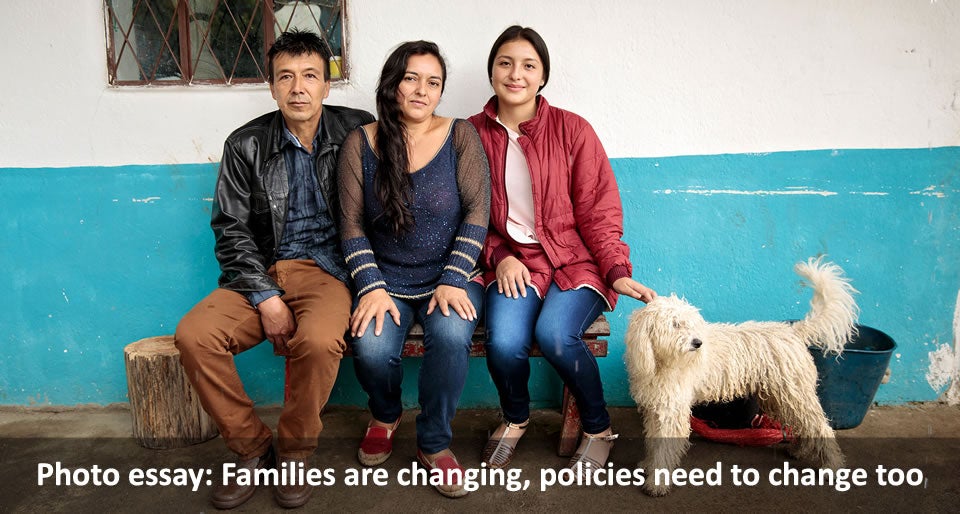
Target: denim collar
<point>289,138</point>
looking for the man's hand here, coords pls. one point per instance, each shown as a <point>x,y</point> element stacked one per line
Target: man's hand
<point>278,323</point>
<point>373,305</point>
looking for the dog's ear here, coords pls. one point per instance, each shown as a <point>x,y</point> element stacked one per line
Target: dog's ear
<point>639,353</point>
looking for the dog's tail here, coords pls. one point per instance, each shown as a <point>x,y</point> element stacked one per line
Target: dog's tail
<point>833,314</point>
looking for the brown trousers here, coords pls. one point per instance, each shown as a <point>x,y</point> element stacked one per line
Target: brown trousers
<point>224,324</point>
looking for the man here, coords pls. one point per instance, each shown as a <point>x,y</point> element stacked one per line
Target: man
<point>275,218</point>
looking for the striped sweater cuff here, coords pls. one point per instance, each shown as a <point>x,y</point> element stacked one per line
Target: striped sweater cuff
<point>462,262</point>
<point>362,266</point>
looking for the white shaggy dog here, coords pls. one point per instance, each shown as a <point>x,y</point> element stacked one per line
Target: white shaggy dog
<point>675,359</point>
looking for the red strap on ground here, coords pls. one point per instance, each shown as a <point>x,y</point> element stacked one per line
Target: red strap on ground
<point>764,432</point>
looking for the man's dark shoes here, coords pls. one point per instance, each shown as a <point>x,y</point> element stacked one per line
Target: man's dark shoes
<point>292,495</point>
<point>229,494</point>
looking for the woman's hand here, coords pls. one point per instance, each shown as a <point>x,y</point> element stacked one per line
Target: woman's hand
<point>373,305</point>
<point>447,297</point>
<point>634,289</point>
<point>512,278</point>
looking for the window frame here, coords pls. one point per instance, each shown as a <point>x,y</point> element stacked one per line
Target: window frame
<point>186,62</point>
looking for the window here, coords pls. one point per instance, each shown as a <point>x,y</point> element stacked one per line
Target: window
<point>177,42</point>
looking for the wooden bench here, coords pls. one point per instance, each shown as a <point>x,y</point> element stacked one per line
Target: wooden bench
<point>159,418</point>
<point>594,337</point>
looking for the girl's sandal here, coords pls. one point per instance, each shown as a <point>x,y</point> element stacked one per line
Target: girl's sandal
<point>499,449</point>
<point>594,450</point>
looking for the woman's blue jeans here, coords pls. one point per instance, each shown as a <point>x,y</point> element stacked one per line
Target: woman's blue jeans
<point>443,372</point>
<point>557,324</point>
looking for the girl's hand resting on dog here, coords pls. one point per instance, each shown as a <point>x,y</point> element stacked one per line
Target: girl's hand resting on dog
<point>634,289</point>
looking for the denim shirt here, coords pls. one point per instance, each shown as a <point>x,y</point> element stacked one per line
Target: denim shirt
<point>309,231</point>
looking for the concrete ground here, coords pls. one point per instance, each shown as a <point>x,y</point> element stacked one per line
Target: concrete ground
<point>918,444</point>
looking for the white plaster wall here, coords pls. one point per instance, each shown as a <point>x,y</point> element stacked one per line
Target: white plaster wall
<point>655,77</point>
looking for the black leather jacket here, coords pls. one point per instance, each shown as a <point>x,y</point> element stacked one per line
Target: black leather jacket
<point>250,202</point>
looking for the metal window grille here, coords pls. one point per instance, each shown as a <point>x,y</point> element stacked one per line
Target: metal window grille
<point>184,42</point>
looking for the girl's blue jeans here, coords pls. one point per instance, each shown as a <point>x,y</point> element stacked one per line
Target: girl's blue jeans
<point>556,323</point>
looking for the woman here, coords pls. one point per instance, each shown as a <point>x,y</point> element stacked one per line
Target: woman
<point>553,248</point>
<point>415,196</point>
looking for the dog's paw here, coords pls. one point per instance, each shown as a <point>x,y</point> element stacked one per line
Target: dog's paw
<point>654,490</point>
<point>832,460</point>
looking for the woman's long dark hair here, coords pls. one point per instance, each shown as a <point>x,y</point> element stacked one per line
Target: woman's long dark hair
<point>392,182</point>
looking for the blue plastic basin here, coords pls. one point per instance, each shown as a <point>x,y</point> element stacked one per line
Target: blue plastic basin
<point>849,382</point>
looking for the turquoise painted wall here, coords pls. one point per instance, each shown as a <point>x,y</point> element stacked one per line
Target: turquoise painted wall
<point>100,257</point>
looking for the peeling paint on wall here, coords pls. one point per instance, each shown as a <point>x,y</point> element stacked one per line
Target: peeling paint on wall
<point>941,367</point>
<point>929,191</point>
<point>948,360</point>
<point>708,192</point>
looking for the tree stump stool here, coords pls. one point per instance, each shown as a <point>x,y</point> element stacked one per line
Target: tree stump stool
<point>166,410</point>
